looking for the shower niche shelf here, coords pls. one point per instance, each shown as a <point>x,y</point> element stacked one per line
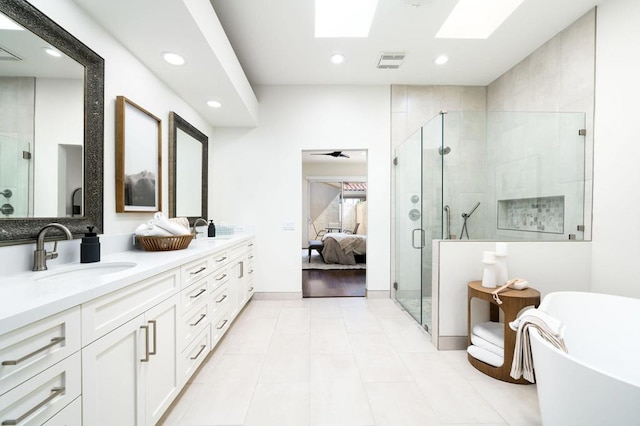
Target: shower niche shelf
<point>540,214</point>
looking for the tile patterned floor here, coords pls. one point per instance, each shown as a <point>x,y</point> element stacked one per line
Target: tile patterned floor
<point>342,362</point>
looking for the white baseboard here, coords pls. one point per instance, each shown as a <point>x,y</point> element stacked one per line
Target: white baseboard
<point>377,294</point>
<point>452,343</point>
<point>294,295</point>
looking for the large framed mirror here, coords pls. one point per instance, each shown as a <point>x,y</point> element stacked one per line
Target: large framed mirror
<point>188,170</point>
<point>61,175</point>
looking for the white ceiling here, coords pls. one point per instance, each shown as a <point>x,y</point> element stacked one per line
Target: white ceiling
<point>275,44</point>
<point>271,42</point>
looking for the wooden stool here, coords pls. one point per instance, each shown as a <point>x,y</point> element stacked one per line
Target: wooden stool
<point>513,301</point>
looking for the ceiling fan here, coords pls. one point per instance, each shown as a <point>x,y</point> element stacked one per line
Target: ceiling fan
<point>334,154</point>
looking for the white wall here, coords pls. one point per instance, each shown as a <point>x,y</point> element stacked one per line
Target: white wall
<point>124,75</point>
<point>256,172</point>
<point>616,204</point>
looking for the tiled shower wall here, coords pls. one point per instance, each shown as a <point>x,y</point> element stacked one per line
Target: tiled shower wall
<point>557,77</point>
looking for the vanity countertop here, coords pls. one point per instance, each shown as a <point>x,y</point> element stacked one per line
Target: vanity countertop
<point>25,299</point>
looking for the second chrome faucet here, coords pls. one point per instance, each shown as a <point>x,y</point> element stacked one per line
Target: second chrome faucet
<point>40,255</point>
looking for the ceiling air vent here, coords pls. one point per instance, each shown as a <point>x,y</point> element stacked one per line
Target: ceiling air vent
<point>390,60</point>
<point>5,55</point>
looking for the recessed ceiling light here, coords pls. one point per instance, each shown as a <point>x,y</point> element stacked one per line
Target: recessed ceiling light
<point>337,58</point>
<point>53,52</point>
<point>214,104</point>
<point>442,59</point>
<point>341,18</point>
<point>173,58</point>
<point>476,19</point>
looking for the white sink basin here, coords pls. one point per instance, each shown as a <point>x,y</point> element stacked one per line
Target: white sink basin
<point>82,271</point>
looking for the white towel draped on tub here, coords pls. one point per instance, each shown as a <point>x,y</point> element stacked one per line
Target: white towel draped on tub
<point>551,329</point>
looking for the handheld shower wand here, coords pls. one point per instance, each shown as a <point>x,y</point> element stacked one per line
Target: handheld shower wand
<point>466,216</point>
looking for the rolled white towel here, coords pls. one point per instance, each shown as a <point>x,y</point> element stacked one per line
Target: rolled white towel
<point>492,332</point>
<point>485,356</point>
<point>183,221</point>
<point>481,343</point>
<point>161,221</point>
<point>150,230</point>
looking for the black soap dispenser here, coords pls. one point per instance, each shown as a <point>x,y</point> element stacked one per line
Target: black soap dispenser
<point>90,247</point>
<point>211,231</point>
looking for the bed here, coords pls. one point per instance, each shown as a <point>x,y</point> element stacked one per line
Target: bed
<point>343,248</point>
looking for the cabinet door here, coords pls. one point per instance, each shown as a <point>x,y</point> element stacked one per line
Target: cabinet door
<point>112,387</point>
<point>161,371</point>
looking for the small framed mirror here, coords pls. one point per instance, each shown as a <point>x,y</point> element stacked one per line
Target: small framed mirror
<point>188,170</point>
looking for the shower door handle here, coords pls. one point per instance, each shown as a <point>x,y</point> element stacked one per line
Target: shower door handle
<point>413,238</point>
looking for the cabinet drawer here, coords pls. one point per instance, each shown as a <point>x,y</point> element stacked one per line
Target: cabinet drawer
<point>219,325</point>
<point>193,271</point>
<point>71,415</point>
<point>195,295</point>
<point>193,323</point>
<point>237,251</point>
<point>39,398</point>
<point>220,276</point>
<point>220,258</point>
<point>219,300</point>
<point>30,349</point>
<point>104,314</point>
<point>195,354</point>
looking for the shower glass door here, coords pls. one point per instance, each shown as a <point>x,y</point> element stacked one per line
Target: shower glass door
<point>418,217</point>
<point>408,225</point>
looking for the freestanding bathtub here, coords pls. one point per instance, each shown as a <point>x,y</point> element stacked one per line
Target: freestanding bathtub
<point>598,381</point>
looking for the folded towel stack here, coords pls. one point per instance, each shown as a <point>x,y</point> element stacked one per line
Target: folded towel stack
<point>551,329</point>
<point>487,343</point>
<point>160,226</point>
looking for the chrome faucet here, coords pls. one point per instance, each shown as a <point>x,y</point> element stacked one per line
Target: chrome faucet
<point>40,255</point>
<point>195,223</point>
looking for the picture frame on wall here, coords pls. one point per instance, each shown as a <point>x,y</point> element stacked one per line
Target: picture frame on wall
<point>138,158</point>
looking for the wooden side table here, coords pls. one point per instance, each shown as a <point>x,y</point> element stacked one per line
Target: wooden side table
<point>513,301</point>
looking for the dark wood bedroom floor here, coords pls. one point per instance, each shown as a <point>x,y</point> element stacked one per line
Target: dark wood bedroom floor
<point>334,283</point>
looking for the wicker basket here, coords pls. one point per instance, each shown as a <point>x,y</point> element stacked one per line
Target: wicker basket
<point>174,242</point>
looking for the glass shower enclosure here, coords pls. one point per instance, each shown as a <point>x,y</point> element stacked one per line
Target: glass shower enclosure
<point>505,176</point>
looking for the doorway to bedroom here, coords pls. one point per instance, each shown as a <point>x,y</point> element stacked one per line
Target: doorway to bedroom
<point>334,240</point>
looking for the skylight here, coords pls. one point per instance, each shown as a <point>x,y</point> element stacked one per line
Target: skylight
<point>477,19</point>
<point>341,18</point>
<point>8,24</point>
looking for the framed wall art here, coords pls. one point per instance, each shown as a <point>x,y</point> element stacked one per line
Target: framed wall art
<point>138,158</point>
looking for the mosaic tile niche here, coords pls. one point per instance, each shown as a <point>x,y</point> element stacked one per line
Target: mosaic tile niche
<point>543,214</point>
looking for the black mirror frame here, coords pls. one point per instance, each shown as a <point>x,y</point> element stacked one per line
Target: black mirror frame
<point>25,230</point>
<point>176,122</point>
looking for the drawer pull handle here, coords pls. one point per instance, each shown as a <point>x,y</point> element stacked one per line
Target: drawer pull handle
<point>250,257</point>
<point>222,277</point>
<point>195,296</point>
<point>251,271</point>
<point>203,316</point>
<point>54,393</point>
<point>222,259</point>
<point>53,342</point>
<point>199,352</point>
<point>222,325</point>
<point>146,345</point>
<point>221,299</point>
<point>250,244</point>
<point>250,289</point>
<point>204,268</point>
<point>155,337</point>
